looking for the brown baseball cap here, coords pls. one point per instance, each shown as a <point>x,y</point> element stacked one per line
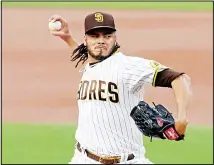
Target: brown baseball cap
<point>99,20</point>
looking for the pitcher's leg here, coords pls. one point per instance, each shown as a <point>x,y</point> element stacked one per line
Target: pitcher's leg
<point>79,158</point>
<point>76,158</point>
<point>141,160</point>
<point>144,161</point>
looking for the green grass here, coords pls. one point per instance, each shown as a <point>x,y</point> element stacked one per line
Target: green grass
<point>34,143</point>
<point>184,6</point>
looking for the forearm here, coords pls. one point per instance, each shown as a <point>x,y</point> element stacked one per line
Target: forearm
<point>183,95</point>
<point>71,42</point>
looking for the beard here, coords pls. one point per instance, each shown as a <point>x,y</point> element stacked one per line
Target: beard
<point>99,56</point>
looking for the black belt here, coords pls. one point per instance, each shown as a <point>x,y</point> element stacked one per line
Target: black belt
<point>106,159</point>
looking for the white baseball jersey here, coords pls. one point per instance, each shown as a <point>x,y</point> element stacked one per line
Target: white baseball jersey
<point>107,93</point>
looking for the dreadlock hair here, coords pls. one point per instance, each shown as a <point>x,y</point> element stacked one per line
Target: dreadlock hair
<point>81,53</point>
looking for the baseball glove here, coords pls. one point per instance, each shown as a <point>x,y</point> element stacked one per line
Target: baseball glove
<point>155,121</point>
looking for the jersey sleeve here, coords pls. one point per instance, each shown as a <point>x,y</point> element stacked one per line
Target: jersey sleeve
<point>138,71</point>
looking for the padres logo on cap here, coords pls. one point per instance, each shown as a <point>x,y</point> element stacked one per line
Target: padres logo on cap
<point>99,17</point>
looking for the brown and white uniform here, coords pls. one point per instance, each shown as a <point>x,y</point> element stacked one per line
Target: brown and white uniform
<point>107,93</point>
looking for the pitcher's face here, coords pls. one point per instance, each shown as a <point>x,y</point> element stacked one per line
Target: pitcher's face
<point>100,42</point>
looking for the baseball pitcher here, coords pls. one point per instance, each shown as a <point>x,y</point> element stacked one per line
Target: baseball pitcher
<point>112,114</point>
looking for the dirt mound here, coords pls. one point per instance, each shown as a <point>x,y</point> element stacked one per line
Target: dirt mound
<point>40,83</point>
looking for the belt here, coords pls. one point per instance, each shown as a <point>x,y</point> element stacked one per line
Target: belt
<point>106,159</point>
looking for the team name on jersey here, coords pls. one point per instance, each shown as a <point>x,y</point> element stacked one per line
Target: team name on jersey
<point>98,90</point>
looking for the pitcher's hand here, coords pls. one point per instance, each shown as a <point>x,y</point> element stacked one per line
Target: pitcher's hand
<point>180,126</point>
<point>63,33</point>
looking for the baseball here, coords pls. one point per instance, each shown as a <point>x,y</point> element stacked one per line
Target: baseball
<point>57,25</point>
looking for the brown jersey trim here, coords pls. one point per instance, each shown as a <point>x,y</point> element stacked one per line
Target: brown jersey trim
<point>165,77</point>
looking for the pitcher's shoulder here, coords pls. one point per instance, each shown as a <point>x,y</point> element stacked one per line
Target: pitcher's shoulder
<point>131,58</point>
<point>121,56</point>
